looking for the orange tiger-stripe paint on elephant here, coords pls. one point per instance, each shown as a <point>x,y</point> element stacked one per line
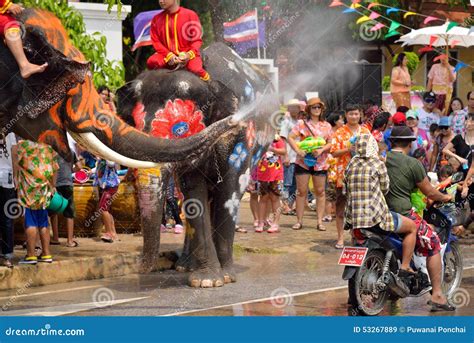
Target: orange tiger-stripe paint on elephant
<point>53,136</point>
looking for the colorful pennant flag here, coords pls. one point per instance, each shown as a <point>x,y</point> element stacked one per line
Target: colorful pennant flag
<point>430,19</point>
<point>355,5</point>
<point>459,66</point>
<point>433,40</point>
<point>393,9</point>
<point>374,15</point>
<point>454,43</point>
<point>440,57</point>
<point>394,26</point>
<point>408,14</point>
<point>336,3</point>
<point>349,10</point>
<point>451,25</point>
<point>377,27</point>
<point>391,34</point>
<point>362,19</point>
<point>374,4</point>
<point>425,49</point>
<point>356,1</point>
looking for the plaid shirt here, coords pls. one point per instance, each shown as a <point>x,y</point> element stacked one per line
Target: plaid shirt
<point>365,183</point>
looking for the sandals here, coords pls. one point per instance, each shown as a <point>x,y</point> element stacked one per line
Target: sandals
<point>240,229</point>
<point>274,229</point>
<point>54,243</point>
<point>106,238</point>
<point>339,246</point>
<point>7,263</point>
<point>435,307</point>
<point>321,227</point>
<point>259,229</point>
<point>74,244</point>
<point>327,219</point>
<point>297,226</point>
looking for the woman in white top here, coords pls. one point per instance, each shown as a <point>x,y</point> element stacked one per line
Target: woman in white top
<point>9,208</point>
<point>400,82</point>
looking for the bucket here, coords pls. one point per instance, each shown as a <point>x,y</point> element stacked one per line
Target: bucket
<point>58,203</point>
<point>81,176</point>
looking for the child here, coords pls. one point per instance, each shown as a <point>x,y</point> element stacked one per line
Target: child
<point>10,31</point>
<point>107,180</point>
<point>270,179</point>
<point>35,166</point>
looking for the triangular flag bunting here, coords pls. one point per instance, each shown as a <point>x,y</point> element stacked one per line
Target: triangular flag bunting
<point>459,66</point>
<point>433,40</point>
<point>440,57</point>
<point>349,10</point>
<point>391,34</point>
<point>356,1</point>
<point>336,3</point>
<point>454,43</point>
<point>394,26</point>
<point>374,15</point>
<point>393,9</point>
<point>374,4</point>
<point>355,5</point>
<point>425,49</point>
<point>408,14</point>
<point>429,19</point>
<point>362,19</point>
<point>451,25</point>
<point>377,27</point>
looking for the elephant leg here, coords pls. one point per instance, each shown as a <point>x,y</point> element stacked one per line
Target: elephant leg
<point>207,271</point>
<point>151,185</point>
<point>225,206</point>
<point>184,263</point>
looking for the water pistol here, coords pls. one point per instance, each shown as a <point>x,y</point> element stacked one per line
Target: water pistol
<point>311,144</point>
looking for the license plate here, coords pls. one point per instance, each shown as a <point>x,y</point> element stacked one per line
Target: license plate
<point>352,256</point>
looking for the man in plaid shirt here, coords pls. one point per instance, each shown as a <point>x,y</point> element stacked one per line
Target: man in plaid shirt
<point>365,183</point>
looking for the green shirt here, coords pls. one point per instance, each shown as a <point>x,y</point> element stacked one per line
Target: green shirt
<point>405,173</point>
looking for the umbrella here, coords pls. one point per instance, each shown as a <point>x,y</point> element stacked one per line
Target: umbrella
<point>440,36</point>
<point>459,36</point>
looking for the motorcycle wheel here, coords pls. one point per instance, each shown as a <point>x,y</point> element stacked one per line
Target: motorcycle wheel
<point>363,285</point>
<point>452,275</point>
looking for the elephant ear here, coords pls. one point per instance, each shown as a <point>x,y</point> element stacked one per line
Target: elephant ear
<point>127,98</point>
<point>41,91</point>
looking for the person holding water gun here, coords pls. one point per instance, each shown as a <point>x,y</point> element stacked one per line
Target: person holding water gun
<point>311,135</point>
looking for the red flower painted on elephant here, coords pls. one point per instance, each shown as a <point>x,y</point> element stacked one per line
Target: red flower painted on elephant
<point>179,119</point>
<point>139,115</point>
<point>250,134</point>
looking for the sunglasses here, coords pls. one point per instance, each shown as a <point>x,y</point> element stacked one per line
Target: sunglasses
<point>317,107</point>
<point>443,127</point>
<point>430,101</point>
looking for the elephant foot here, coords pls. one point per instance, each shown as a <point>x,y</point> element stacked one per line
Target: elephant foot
<point>229,275</point>
<point>206,278</point>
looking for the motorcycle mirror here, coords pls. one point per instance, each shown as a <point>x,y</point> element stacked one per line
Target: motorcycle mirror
<point>457,177</point>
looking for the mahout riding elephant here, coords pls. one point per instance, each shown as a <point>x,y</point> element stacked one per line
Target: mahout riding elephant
<point>63,99</point>
<point>213,184</point>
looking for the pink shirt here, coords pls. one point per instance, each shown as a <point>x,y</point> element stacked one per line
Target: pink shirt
<point>320,129</point>
<point>400,74</point>
<point>439,74</point>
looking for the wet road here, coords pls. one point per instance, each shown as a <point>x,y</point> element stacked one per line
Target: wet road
<point>271,284</point>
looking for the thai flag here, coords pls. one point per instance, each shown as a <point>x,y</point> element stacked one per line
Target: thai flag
<point>242,29</point>
<point>142,27</point>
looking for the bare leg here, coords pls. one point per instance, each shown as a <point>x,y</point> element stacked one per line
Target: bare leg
<point>408,228</point>
<point>319,183</point>
<point>254,206</point>
<point>44,236</point>
<point>276,206</point>
<point>262,210</point>
<point>302,183</point>
<point>340,207</point>
<point>54,225</point>
<point>31,240</point>
<point>15,44</point>
<point>70,231</point>
<point>433,263</point>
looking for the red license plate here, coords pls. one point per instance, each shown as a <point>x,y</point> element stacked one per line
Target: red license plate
<point>352,256</point>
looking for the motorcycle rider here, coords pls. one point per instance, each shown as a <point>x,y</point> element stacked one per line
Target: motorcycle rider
<point>406,174</point>
<point>366,182</point>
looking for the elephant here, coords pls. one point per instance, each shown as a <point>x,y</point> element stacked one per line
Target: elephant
<point>213,184</point>
<point>63,99</point>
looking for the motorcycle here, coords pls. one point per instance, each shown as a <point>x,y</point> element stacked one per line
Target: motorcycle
<point>372,264</point>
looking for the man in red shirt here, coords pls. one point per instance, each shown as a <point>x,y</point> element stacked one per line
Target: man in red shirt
<point>10,31</point>
<point>176,35</point>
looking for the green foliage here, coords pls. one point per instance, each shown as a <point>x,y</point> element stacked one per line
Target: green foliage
<point>413,61</point>
<point>386,83</point>
<point>106,73</point>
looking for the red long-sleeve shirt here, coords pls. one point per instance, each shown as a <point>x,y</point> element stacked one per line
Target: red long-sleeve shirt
<point>4,5</point>
<point>178,32</point>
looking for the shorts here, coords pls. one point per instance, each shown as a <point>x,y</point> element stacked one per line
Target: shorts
<point>252,187</point>
<point>275,187</point>
<point>68,193</point>
<point>427,240</point>
<point>330,191</point>
<point>299,170</point>
<point>106,198</point>
<point>36,218</point>
<point>7,22</point>
<point>397,221</point>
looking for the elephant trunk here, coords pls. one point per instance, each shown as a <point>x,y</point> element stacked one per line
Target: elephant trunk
<point>112,139</point>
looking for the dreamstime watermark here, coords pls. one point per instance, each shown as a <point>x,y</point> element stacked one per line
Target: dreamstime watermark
<point>20,291</point>
<point>46,331</point>
<point>192,31</point>
<point>276,119</point>
<point>103,297</point>
<point>97,214</point>
<point>281,297</point>
<point>12,209</point>
<point>282,29</point>
<point>193,208</point>
<point>461,298</point>
<point>368,34</point>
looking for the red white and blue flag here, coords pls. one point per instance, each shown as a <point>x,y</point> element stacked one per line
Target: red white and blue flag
<point>142,27</point>
<point>242,29</point>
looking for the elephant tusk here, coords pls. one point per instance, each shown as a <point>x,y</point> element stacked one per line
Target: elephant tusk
<point>89,141</point>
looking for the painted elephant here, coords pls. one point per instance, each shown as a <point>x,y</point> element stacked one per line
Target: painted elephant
<point>213,184</point>
<point>63,98</point>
